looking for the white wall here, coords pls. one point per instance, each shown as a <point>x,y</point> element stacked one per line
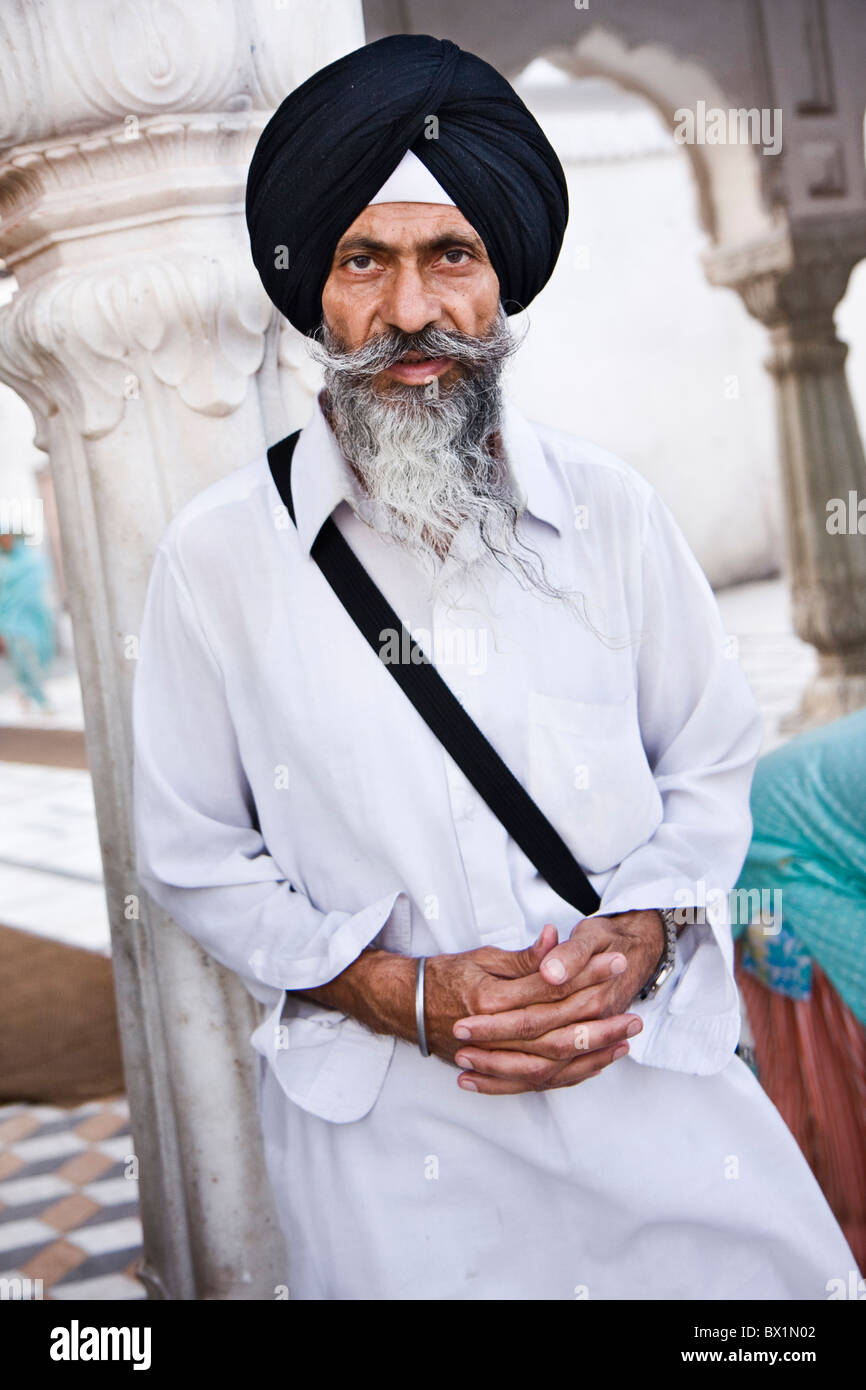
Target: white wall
<point>630,346</point>
<point>851,327</point>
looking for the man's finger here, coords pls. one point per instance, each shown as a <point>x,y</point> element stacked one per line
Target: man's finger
<point>571,957</point>
<point>526,961</point>
<point>533,1019</point>
<point>570,1075</point>
<point>577,1039</point>
<point>545,1056</point>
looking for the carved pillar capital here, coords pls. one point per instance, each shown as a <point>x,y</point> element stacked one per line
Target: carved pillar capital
<point>69,68</point>
<point>89,342</point>
<point>798,275</point>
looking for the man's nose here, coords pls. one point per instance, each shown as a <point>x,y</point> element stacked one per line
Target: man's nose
<point>408,303</point>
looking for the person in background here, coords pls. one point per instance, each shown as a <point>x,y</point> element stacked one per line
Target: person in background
<point>802,966</point>
<point>27,634</point>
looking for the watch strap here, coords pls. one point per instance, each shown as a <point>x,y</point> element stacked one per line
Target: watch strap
<point>668,957</point>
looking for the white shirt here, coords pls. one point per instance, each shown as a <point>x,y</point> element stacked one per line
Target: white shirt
<point>292,808</point>
<point>291,804</point>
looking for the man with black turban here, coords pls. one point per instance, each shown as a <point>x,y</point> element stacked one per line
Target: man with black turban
<point>335,140</point>
<point>432,1007</point>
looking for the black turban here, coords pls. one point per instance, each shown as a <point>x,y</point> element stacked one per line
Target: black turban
<point>330,146</point>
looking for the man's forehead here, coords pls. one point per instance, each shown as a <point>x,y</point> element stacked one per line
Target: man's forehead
<point>408,225</point>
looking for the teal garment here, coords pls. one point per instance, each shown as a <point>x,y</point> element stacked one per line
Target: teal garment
<point>26,621</point>
<point>809,843</point>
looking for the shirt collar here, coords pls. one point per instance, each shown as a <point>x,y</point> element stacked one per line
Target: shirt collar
<point>322,479</point>
<point>531,470</point>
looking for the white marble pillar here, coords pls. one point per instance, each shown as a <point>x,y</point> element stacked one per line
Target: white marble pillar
<point>137,336</point>
<point>792,284</point>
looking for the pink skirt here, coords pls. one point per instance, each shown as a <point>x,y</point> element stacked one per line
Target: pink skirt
<point>811,1059</point>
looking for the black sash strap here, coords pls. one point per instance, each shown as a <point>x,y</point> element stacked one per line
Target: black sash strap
<point>437,704</point>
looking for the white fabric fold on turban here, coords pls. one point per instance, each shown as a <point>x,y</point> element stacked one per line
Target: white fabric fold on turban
<point>412,182</point>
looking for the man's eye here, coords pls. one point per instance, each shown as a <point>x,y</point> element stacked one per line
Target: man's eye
<point>353,261</point>
<point>456,251</point>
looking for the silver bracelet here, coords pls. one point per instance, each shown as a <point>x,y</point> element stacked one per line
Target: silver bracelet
<point>419,1007</point>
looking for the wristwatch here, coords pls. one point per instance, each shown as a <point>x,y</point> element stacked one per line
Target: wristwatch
<point>668,957</point>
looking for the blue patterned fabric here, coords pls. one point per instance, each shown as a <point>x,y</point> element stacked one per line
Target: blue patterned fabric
<point>809,845</point>
<point>778,960</point>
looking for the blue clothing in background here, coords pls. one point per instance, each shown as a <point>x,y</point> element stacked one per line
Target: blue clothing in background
<point>26,620</point>
<point>809,841</point>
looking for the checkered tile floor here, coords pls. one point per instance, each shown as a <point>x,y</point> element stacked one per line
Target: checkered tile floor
<point>68,1214</point>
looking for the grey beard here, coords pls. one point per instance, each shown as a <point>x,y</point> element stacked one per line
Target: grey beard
<point>430,459</point>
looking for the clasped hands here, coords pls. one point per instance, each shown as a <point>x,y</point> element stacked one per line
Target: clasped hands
<point>547,1016</point>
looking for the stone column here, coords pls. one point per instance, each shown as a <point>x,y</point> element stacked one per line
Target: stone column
<point>792,284</point>
<point>137,335</point>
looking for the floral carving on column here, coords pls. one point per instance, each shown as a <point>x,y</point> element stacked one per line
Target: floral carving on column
<point>196,322</point>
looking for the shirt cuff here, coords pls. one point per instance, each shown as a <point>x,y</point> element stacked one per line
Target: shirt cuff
<point>324,1061</point>
<point>386,919</point>
<point>693,1023</point>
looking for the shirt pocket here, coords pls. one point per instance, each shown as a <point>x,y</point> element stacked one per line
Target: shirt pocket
<point>589,775</point>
